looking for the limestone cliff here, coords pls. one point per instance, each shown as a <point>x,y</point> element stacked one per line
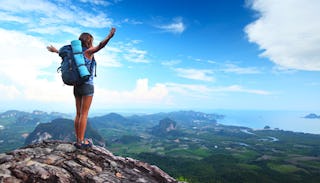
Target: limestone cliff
<point>58,161</point>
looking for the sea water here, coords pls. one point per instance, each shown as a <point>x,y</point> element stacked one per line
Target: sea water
<point>283,120</point>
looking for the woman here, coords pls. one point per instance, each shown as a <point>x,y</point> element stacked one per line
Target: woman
<point>84,93</point>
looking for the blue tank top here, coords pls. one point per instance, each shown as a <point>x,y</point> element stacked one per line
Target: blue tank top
<point>91,65</point>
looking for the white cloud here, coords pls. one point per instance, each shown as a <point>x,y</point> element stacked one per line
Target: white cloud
<point>30,5</point>
<point>39,15</point>
<point>203,90</point>
<point>135,55</point>
<point>206,93</point>
<point>92,20</point>
<point>107,60</point>
<point>187,91</point>
<point>131,21</point>
<point>51,30</point>
<point>198,95</point>
<point>313,84</point>
<point>176,27</point>
<point>128,51</point>
<point>195,74</point>
<point>288,32</point>
<point>170,62</point>
<point>108,57</point>
<point>9,92</point>
<point>96,2</point>
<point>232,68</point>
<point>142,95</point>
<point>237,88</point>
<point>26,78</point>
<point>23,66</point>
<point>7,17</point>
<point>212,62</point>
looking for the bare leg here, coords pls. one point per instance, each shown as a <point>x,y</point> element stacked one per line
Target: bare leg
<point>84,110</point>
<point>77,118</point>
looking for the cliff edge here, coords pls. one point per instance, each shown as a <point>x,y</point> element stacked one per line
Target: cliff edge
<point>58,161</point>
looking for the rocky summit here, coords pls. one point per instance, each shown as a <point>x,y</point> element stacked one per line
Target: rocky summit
<point>59,161</point>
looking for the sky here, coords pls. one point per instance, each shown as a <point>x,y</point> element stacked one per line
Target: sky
<point>165,55</point>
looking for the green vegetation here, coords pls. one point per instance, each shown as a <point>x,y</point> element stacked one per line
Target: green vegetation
<point>228,155</point>
<point>13,136</point>
<point>201,152</point>
<point>287,168</point>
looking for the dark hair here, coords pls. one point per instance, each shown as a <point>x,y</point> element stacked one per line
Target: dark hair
<point>86,40</point>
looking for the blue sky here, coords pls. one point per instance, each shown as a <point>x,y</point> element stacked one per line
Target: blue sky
<point>169,54</point>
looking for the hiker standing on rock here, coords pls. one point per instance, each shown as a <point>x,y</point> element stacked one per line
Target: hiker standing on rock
<point>84,93</point>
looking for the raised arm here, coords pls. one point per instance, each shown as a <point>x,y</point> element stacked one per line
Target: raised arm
<point>52,49</point>
<point>102,44</point>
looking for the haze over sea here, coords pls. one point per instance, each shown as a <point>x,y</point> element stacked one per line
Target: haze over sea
<point>284,120</point>
<point>255,119</point>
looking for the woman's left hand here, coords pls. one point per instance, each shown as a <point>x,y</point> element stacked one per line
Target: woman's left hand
<point>52,49</point>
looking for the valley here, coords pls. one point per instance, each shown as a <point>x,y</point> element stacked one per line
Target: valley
<point>193,146</point>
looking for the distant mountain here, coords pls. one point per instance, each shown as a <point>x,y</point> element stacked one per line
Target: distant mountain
<point>165,126</point>
<point>61,129</point>
<point>184,118</point>
<point>26,118</point>
<point>12,113</point>
<point>16,125</point>
<point>120,125</point>
<point>111,120</point>
<point>312,116</point>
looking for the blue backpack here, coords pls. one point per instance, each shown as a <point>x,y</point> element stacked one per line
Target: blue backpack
<point>68,68</point>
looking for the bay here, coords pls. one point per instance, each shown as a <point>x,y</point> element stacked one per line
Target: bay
<point>283,120</point>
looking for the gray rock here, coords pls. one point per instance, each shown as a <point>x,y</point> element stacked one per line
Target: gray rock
<point>66,147</point>
<point>58,161</point>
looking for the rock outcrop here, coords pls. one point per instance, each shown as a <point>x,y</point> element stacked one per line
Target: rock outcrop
<point>165,126</point>
<point>61,129</point>
<point>58,161</point>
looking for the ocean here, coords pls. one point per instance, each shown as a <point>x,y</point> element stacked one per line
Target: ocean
<point>283,120</point>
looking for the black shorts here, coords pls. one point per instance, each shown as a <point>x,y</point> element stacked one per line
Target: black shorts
<point>83,90</point>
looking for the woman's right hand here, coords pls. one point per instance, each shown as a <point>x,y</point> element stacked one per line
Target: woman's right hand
<point>112,31</point>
